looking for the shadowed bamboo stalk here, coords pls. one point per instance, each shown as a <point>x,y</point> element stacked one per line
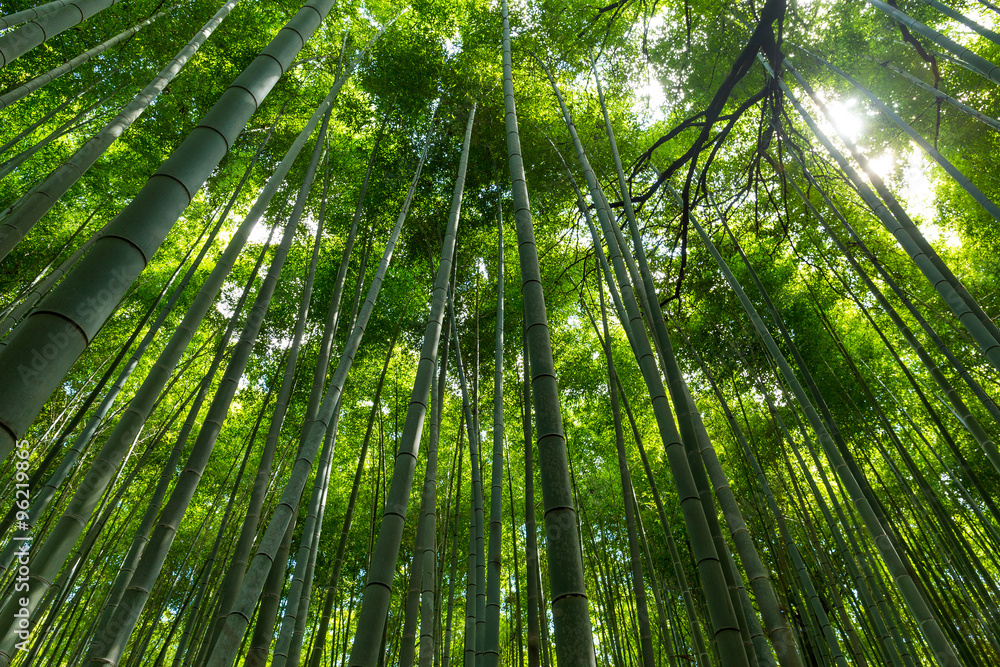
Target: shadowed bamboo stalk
<point>428,605</point>
<point>45,26</point>
<point>701,650</point>
<point>75,311</point>
<point>32,13</point>
<point>491,655</point>
<point>638,581</point>
<point>475,578</point>
<point>334,582</point>
<point>378,588</point>
<point>42,197</point>
<point>573,630</point>
<point>713,576</point>
<point>121,623</point>
<point>52,553</point>
<point>452,578</point>
<point>697,440</point>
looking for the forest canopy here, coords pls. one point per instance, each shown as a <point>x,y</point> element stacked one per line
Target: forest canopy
<point>636,334</point>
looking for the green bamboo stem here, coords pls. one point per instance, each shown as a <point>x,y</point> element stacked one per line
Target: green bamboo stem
<point>965,416</point>
<point>944,653</point>
<point>47,25</point>
<point>121,624</point>
<point>42,197</point>
<point>901,227</point>
<point>334,581</point>
<point>964,20</point>
<point>726,626</point>
<point>378,588</point>
<point>961,106</point>
<point>118,257</point>
<point>260,566</point>
<point>960,178</point>
<point>452,578</point>
<point>638,581</point>
<point>492,647</point>
<point>530,529</point>
<point>53,552</point>
<point>476,580</point>
<point>428,604</point>
<point>31,13</point>
<point>42,80</point>
<point>574,637</point>
<point>978,64</point>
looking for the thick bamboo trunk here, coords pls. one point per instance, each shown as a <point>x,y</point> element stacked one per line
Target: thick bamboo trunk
<point>117,258</point>
<point>44,26</point>
<point>574,635</point>
<point>42,197</point>
<point>122,622</point>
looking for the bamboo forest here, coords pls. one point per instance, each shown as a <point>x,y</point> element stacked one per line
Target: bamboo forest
<point>469,333</point>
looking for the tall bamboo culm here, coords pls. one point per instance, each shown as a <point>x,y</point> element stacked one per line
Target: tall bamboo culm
<point>573,630</point>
